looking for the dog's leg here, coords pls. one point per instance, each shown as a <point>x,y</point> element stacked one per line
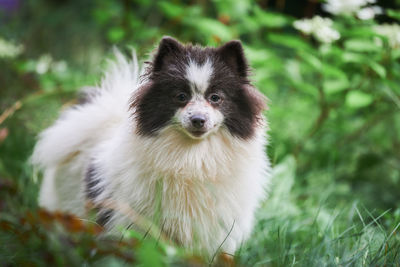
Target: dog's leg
<point>48,195</point>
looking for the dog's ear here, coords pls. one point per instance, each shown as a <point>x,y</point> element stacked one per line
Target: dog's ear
<point>233,55</point>
<point>168,47</point>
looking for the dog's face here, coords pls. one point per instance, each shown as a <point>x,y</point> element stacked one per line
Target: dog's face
<point>198,91</point>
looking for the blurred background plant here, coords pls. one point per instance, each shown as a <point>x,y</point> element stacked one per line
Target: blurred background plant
<point>331,71</point>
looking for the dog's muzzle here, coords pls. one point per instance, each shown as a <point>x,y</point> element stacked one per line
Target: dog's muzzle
<point>198,121</point>
<point>198,125</point>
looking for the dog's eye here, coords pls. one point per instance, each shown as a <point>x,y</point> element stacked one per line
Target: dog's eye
<point>215,98</point>
<point>181,98</point>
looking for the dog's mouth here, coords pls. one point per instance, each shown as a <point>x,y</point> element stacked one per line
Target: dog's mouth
<point>197,133</point>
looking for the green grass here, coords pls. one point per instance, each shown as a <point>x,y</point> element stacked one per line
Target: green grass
<point>315,227</point>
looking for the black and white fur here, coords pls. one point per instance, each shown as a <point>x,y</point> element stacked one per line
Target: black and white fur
<point>183,147</point>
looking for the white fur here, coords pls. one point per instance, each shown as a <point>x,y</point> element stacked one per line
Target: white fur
<point>199,75</point>
<point>195,191</point>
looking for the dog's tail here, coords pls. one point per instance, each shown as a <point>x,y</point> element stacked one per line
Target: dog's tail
<point>80,127</point>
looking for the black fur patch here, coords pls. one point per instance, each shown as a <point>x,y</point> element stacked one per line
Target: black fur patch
<point>233,55</point>
<point>104,216</point>
<point>92,191</point>
<point>154,104</point>
<point>91,183</point>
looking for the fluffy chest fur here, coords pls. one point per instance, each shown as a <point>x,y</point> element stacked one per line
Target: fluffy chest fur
<point>195,193</point>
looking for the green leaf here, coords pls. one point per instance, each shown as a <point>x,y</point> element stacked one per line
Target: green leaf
<point>101,16</point>
<point>335,80</point>
<point>361,45</point>
<point>288,40</point>
<point>257,56</point>
<point>351,57</point>
<point>210,27</point>
<point>312,60</point>
<point>358,99</point>
<point>116,34</point>
<point>358,32</point>
<point>378,68</point>
<point>306,88</point>
<point>234,8</point>
<point>393,13</point>
<point>170,10</point>
<point>334,86</point>
<point>48,83</point>
<point>392,85</point>
<point>149,255</point>
<point>270,19</point>
<point>248,25</point>
<point>396,54</point>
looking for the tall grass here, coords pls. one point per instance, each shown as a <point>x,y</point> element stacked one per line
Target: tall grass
<point>317,228</point>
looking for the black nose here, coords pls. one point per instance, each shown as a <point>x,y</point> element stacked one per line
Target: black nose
<point>198,121</point>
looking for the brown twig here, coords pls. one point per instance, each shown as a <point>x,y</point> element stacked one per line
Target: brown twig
<point>280,4</point>
<point>10,111</point>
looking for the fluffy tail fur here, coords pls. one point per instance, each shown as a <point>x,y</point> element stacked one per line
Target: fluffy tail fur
<point>105,105</point>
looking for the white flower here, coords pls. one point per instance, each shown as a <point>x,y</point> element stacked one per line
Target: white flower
<point>350,7</point>
<point>337,7</point>
<point>320,28</point>
<point>366,13</point>
<point>369,12</point>
<point>327,35</point>
<point>59,66</point>
<point>43,64</point>
<point>391,32</point>
<point>8,49</point>
<point>170,250</point>
<point>46,63</point>
<point>303,25</point>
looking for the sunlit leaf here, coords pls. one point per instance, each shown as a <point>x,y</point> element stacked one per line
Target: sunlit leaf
<point>270,19</point>
<point>378,68</point>
<point>171,10</point>
<point>359,32</point>
<point>116,34</point>
<point>353,57</point>
<point>290,41</point>
<point>334,86</point>
<point>149,255</point>
<point>312,60</point>
<point>358,99</point>
<point>335,80</point>
<point>249,25</point>
<point>361,45</point>
<point>393,13</point>
<point>257,55</point>
<point>210,27</point>
<point>396,54</point>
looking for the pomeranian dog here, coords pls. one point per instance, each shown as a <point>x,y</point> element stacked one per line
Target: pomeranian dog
<point>180,144</point>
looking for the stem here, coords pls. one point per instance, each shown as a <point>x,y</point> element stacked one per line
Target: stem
<point>323,115</point>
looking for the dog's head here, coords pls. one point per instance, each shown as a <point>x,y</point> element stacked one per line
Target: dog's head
<point>198,90</point>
